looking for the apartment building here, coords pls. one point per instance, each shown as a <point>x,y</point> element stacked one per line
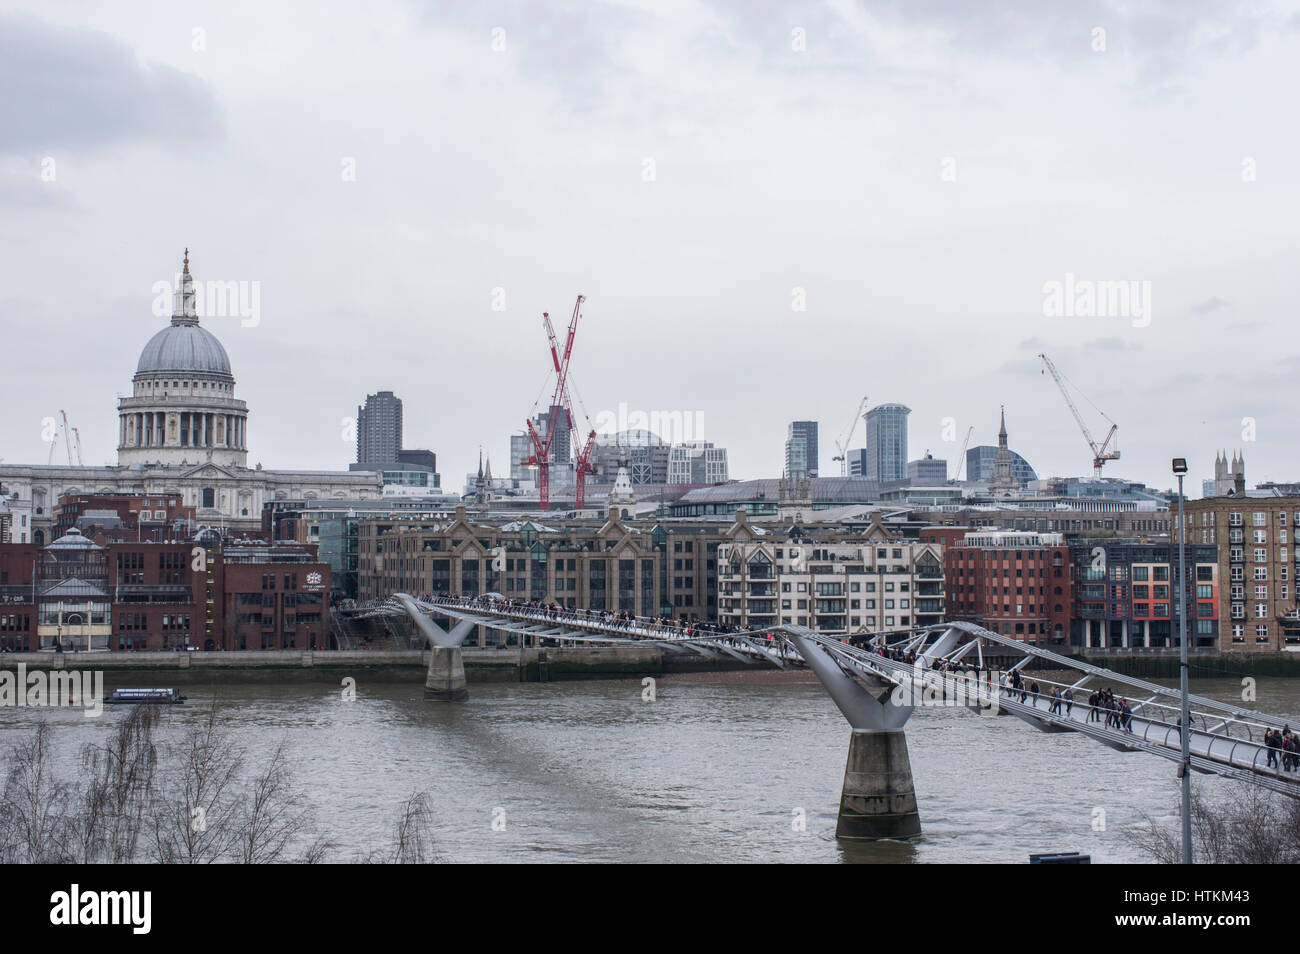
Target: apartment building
<point>852,583</point>
<point>1254,534</point>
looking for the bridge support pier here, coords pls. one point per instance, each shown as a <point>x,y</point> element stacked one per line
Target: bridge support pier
<point>445,681</point>
<point>879,798</point>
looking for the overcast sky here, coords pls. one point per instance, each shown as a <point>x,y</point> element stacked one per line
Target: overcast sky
<point>913,173</point>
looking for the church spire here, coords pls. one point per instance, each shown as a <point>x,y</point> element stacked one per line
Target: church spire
<point>184,306</point>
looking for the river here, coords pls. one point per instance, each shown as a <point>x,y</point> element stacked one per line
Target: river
<point>713,769</point>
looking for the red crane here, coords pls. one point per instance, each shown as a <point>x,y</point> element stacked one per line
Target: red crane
<point>585,467</point>
<point>541,458</point>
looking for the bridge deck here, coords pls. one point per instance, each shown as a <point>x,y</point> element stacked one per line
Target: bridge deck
<point>1225,739</point>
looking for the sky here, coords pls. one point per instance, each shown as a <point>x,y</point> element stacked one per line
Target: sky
<point>773,210</point>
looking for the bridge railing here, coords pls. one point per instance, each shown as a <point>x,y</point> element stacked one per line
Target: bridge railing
<point>1210,744</point>
<point>656,629</point>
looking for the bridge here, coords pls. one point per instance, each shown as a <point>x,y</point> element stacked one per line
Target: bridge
<point>878,680</point>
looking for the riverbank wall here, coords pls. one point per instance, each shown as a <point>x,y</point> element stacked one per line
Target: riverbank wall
<point>122,669</point>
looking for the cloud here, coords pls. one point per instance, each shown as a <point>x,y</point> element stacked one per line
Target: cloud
<point>1209,305</point>
<point>80,89</point>
<point>1111,344</point>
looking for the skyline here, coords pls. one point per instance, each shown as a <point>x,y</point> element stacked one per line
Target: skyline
<point>773,171</point>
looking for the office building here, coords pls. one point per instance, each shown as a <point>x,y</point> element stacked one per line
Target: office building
<point>801,449</point>
<point>887,442</point>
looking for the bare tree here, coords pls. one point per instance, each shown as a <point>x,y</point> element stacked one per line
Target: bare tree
<point>1246,826</point>
<point>190,802</point>
<point>272,817</point>
<point>34,804</point>
<point>198,823</point>
<point>110,812</point>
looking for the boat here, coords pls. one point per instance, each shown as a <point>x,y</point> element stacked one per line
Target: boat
<point>164,697</point>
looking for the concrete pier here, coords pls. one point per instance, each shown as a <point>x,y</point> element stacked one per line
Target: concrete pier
<point>446,679</point>
<point>879,798</point>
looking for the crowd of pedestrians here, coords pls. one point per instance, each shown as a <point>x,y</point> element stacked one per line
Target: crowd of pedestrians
<point>623,620</point>
<point>1285,744</point>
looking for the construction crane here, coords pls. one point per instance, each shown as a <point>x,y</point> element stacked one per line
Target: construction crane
<point>541,457</point>
<point>844,445</point>
<point>76,442</point>
<point>1100,453</point>
<point>69,435</point>
<point>961,461</point>
<point>582,465</point>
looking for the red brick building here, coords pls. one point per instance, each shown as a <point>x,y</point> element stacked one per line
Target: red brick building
<point>231,595</point>
<point>1011,582</point>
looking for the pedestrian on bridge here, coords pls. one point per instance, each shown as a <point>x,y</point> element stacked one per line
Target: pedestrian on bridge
<point>1273,740</point>
<point>1125,716</point>
<point>1068,696</point>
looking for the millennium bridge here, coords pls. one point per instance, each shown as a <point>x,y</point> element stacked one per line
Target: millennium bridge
<point>877,681</point>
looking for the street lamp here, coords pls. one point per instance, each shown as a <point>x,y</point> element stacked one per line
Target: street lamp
<point>1185,766</point>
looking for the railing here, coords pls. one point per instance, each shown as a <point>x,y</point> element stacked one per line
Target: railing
<point>1225,739</point>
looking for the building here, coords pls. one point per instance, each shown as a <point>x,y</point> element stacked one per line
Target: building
<point>1229,478</point>
<point>85,594</point>
<point>125,516</point>
<point>887,442</point>
<point>643,453</point>
<point>801,454</point>
<point>1125,595</point>
<point>1011,582</point>
<point>697,462</point>
<point>980,461</point>
<point>182,408</point>
<point>857,461</point>
<point>927,470</point>
<point>379,446</point>
<point>859,582</point>
<point>379,429</point>
<point>602,565</point>
<point>1003,482</point>
<point>183,436</point>
<point>1257,561</point>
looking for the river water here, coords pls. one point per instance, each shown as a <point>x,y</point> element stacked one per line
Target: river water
<point>713,769</point>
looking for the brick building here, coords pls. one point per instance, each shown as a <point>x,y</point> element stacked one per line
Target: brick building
<point>1256,559</point>
<point>95,594</point>
<point>1014,583</point>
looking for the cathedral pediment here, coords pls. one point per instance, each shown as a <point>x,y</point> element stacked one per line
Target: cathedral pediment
<point>209,471</point>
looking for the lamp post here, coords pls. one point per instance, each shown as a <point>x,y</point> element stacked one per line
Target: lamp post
<point>1185,722</point>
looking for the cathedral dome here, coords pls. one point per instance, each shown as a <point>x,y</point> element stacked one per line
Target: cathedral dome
<point>184,349</point>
